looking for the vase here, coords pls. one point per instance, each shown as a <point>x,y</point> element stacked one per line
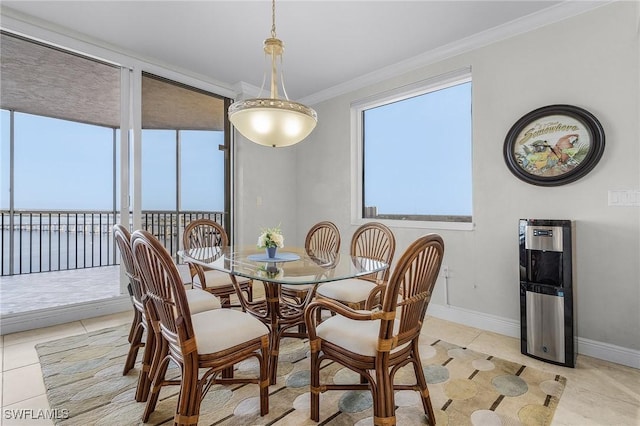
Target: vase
<point>271,252</point>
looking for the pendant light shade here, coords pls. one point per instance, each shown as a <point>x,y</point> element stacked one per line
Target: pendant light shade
<point>273,121</point>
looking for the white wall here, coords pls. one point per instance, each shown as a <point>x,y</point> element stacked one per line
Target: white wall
<point>590,61</point>
<point>265,188</point>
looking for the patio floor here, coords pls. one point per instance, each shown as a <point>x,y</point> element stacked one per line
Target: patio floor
<point>27,292</point>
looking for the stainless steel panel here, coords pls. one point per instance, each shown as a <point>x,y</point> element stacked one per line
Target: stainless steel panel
<point>545,326</point>
<point>547,238</point>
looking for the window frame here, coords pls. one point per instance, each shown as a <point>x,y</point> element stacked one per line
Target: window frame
<point>358,108</point>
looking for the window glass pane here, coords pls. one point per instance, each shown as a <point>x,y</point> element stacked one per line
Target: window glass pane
<point>172,111</point>
<point>417,157</point>
<point>5,160</point>
<point>202,168</point>
<point>62,165</point>
<point>158,170</point>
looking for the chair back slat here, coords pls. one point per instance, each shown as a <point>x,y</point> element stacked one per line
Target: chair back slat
<point>165,291</point>
<point>376,241</point>
<point>412,281</point>
<point>204,233</point>
<point>123,240</point>
<point>323,237</point>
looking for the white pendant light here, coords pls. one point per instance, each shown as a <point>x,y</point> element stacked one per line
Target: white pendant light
<point>273,121</point>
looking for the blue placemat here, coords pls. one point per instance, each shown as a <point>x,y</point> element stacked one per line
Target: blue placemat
<point>280,257</point>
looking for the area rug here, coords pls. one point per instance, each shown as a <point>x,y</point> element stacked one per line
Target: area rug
<point>83,377</point>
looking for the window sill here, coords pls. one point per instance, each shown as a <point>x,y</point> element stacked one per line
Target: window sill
<point>418,224</point>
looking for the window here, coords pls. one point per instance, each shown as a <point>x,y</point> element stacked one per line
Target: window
<point>62,165</point>
<point>158,170</point>
<point>415,154</point>
<point>203,171</point>
<point>60,139</point>
<point>184,161</point>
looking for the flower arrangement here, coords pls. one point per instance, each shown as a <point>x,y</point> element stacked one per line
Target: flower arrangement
<point>271,237</point>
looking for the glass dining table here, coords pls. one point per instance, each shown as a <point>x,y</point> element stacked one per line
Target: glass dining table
<point>290,268</point>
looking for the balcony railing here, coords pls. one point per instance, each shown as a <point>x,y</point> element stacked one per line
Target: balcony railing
<point>45,241</point>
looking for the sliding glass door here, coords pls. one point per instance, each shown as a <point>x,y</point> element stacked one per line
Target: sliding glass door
<point>60,118</point>
<point>184,166</point>
<point>61,166</point>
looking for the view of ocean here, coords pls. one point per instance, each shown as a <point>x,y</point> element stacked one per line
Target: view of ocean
<point>44,241</point>
<point>55,251</point>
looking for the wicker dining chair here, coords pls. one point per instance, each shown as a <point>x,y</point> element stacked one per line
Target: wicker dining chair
<point>198,300</point>
<point>208,233</point>
<point>376,344</point>
<point>203,345</point>
<point>322,240</point>
<point>372,240</point>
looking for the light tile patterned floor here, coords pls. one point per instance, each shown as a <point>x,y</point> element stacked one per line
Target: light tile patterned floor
<point>597,392</point>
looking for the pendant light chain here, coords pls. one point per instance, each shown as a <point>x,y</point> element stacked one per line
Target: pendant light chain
<point>273,18</point>
<point>275,51</point>
<point>274,55</point>
<point>273,121</point>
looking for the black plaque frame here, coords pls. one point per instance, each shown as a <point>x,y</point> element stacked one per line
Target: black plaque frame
<point>554,145</point>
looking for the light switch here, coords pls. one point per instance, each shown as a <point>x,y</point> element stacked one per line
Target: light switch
<point>614,198</point>
<point>624,197</point>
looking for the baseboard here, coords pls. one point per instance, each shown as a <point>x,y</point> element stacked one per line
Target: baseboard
<point>30,320</point>
<point>608,352</point>
<point>487,322</point>
<point>511,328</point>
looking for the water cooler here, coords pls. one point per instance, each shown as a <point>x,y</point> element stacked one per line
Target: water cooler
<point>547,320</point>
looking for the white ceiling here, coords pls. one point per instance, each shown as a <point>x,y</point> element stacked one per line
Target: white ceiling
<point>328,44</point>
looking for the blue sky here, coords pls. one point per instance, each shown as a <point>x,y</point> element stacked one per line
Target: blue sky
<point>422,163</point>
<point>417,161</point>
<point>63,165</point>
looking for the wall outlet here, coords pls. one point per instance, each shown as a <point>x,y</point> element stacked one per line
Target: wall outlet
<point>444,271</point>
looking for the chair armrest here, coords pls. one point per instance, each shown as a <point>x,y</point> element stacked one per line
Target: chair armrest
<point>338,308</point>
<point>375,297</point>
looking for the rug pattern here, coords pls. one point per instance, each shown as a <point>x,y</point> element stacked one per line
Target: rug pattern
<point>83,374</point>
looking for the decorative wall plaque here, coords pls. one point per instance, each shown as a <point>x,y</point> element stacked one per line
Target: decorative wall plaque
<point>554,145</point>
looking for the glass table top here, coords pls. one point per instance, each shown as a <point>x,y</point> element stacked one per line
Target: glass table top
<point>290,266</point>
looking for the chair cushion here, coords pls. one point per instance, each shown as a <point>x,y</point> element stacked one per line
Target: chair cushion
<point>352,290</point>
<point>200,301</point>
<point>360,337</point>
<point>215,279</point>
<point>222,329</point>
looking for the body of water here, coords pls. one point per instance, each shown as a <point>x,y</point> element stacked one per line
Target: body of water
<point>55,251</point>
<point>47,241</point>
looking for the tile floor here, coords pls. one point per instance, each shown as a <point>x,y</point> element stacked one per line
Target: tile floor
<point>597,392</point>
<point>42,290</point>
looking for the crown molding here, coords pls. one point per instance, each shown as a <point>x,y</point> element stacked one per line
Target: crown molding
<point>562,11</point>
<point>33,28</point>
<point>25,25</point>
